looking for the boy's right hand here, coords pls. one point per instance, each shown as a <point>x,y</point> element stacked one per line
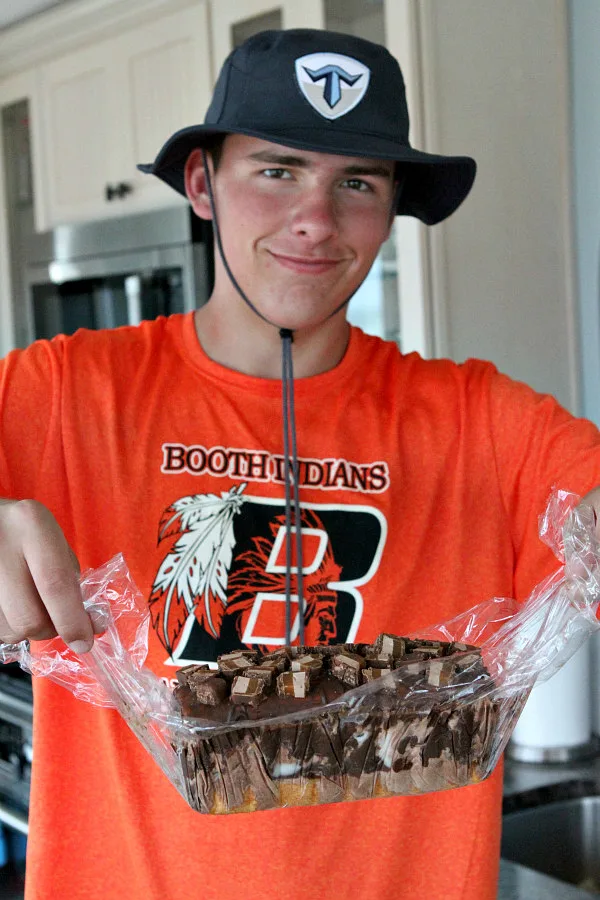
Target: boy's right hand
<point>39,585</point>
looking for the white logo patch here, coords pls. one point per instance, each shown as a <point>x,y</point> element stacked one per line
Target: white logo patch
<point>332,83</point>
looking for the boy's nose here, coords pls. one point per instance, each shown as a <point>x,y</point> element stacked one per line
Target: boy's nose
<point>314,216</point>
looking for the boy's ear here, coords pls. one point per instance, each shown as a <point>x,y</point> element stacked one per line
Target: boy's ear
<point>195,184</point>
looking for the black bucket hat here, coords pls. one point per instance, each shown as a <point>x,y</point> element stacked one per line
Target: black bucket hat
<point>325,92</point>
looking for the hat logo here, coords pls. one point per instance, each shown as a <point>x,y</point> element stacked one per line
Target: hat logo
<point>332,83</point>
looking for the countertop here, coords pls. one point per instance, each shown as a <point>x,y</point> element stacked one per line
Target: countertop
<point>522,777</point>
<point>519,883</point>
<point>523,781</point>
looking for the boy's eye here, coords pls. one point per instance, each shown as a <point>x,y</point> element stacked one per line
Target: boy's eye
<point>276,173</point>
<point>357,184</point>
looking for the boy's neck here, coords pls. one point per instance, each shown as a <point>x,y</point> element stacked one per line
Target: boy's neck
<point>249,345</point>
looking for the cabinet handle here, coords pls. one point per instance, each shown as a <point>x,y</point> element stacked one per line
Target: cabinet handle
<point>117,191</point>
<point>122,189</point>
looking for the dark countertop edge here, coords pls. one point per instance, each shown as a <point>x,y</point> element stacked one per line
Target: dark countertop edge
<point>527,785</point>
<point>520,883</point>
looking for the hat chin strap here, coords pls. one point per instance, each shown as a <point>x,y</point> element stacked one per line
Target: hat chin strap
<point>290,449</point>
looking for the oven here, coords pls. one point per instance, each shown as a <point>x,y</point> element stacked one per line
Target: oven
<point>113,273</point>
<point>95,274</point>
<point>16,717</point>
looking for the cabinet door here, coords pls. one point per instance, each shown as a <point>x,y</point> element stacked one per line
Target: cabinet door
<point>167,85</point>
<point>112,105</point>
<point>233,22</point>
<point>16,97</point>
<point>82,117</point>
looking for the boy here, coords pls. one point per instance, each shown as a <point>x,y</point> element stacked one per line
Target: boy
<point>419,485</point>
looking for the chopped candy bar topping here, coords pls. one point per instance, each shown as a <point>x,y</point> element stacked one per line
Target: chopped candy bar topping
<point>293,684</point>
<point>278,658</point>
<point>231,666</point>
<point>347,667</point>
<point>267,673</point>
<point>439,672</point>
<point>249,677</point>
<point>211,691</point>
<point>307,663</point>
<point>194,673</point>
<point>390,645</point>
<point>372,674</point>
<point>247,690</point>
<point>377,660</point>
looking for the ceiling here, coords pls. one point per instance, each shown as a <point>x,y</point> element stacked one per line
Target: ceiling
<point>11,11</point>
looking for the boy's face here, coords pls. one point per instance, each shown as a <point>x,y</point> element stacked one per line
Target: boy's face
<point>300,229</point>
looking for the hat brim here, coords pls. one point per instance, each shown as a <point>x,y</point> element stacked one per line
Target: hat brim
<point>435,185</point>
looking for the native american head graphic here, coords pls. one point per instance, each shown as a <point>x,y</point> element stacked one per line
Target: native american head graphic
<point>192,578</point>
<point>252,576</point>
<point>196,577</point>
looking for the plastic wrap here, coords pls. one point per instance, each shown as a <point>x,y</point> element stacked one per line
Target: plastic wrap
<point>408,732</point>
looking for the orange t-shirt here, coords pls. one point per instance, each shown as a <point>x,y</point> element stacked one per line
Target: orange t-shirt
<point>425,478</point>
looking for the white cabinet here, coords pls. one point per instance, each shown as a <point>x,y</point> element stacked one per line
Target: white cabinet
<point>108,106</point>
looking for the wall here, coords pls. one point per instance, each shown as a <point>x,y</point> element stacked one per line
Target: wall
<point>584,21</point>
<point>584,18</point>
<point>496,80</point>
<point>508,284</point>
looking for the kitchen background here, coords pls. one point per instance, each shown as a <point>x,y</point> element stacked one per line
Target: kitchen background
<point>88,88</point>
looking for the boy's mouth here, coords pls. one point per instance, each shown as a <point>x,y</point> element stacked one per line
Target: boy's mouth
<point>312,265</point>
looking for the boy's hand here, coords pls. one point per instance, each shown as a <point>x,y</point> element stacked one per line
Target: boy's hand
<point>592,498</point>
<point>39,588</point>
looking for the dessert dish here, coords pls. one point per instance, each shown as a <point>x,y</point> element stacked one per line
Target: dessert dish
<point>308,725</point>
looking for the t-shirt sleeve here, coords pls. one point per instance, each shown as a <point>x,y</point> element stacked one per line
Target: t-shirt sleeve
<point>30,409</point>
<point>538,445</point>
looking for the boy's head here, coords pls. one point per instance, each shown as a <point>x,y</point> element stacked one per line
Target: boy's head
<point>324,92</point>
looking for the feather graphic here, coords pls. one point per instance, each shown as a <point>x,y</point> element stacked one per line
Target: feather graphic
<point>192,578</point>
